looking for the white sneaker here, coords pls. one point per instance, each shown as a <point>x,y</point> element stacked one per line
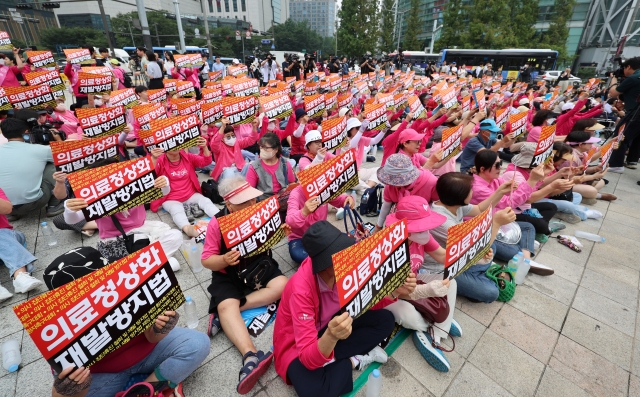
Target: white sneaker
<point>4,293</point>
<point>540,269</point>
<point>617,170</point>
<point>536,245</point>
<point>593,214</point>
<point>175,265</point>
<point>377,355</point>
<point>24,283</point>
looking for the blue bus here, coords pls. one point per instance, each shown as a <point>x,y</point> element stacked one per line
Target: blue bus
<point>160,50</point>
<point>511,60</point>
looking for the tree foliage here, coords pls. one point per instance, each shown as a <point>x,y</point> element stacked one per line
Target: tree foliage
<point>556,36</point>
<point>387,26</point>
<point>411,42</point>
<point>358,27</point>
<point>296,36</point>
<point>50,37</point>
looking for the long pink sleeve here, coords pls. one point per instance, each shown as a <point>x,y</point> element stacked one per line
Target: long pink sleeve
<point>306,335</point>
<point>594,112</point>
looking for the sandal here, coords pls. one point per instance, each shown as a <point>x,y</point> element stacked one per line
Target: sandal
<point>140,389</point>
<point>252,371</point>
<point>214,325</point>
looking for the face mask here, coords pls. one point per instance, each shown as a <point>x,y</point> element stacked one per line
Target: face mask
<point>218,125</point>
<point>231,141</point>
<point>421,238</point>
<point>60,107</point>
<point>265,155</point>
<point>271,127</point>
<point>97,102</point>
<point>493,135</point>
<point>2,61</point>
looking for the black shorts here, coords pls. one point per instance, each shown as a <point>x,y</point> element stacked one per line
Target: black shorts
<point>225,286</point>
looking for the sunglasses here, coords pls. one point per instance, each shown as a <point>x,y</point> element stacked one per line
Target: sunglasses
<point>498,165</point>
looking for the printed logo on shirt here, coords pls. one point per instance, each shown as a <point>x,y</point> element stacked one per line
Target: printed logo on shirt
<point>179,173</point>
<point>305,316</point>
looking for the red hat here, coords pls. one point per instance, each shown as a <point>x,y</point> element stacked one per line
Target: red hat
<point>410,135</point>
<point>416,210</point>
<point>432,104</point>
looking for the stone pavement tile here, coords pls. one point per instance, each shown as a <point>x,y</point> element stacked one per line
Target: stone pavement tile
<point>611,226</point>
<point>396,381</point>
<point>615,269</point>
<point>506,364</point>
<point>525,332</point>
<point>555,248</point>
<point>628,213</point>
<point>219,343</point>
<point>481,312</point>
<point>620,241</point>
<point>634,386</point>
<point>598,376</point>
<point>66,238</point>
<point>599,337</point>
<point>8,383</point>
<point>622,293</point>
<point>635,360</point>
<point>554,286</point>
<point>629,219</point>
<point>539,306</point>
<point>186,278</point>
<point>202,304</point>
<point>589,225</point>
<point>605,310</point>
<point>471,333</point>
<point>553,385</point>
<point>472,382</point>
<point>34,379</point>
<point>562,267</point>
<point>30,352</point>
<point>10,323</point>
<point>277,388</point>
<point>15,299</point>
<point>619,255</point>
<point>412,361</point>
<point>261,393</point>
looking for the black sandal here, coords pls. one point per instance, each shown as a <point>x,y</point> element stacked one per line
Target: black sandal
<point>253,370</point>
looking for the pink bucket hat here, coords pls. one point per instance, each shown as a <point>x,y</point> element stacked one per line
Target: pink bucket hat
<point>410,135</point>
<point>416,210</point>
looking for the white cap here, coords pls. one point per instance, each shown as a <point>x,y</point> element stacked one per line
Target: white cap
<point>568,106</point>
<point>343,111</point>
<point>352,123</point>
<point>312,136</point>
<point>235,61</point>
<point>354,91</point>
<point>524,101</point>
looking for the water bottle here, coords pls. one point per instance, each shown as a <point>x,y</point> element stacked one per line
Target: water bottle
<point>354,195</point>
<point>364,200</point>
<point>195,260</point>
<point>49,234</point>
<point>513,264</point>
<point>589,236</point>
<point>523,269</point>
<point>11,355</point>
<point>190,313</point>
<point>520,256</point>
<point>374,384</point>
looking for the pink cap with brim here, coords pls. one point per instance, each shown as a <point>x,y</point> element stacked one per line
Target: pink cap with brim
<point>242,194</point>
<point>410,135</point>
<point>416,210</point>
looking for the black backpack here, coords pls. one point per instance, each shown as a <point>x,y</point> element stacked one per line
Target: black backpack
<point>210,191</point>
<point>371,201</point>
<point>127,81</point>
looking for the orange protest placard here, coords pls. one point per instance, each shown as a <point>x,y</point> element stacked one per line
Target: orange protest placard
<point>311,88</point>
<point>182,60</point>
<point>41,59</point>
<point>212,112</point>
<point>386,99</point>
<point>479,99</point>
<point>246,86</point>
<point>49,77</point>
<point>589,156</point>
<point>518,123</point>
<point>377,116</point>
<point>314,105</point>
<point>373,268</point>
<point>238,71</point>
<point>36,97</point>
<point>416,107</point>
<point>330,100</point>
<point>544,148</point>
<point>253,230</point>
<point>187,108</point>
<point>605,153</point>
<point>215,76</point>
<point>147,112</point>
<point>451,142</point>
<point>71,156</point>
<point>345,100</point>
<point>89,83</point>
<point>159,95</point>
<point>78,55</point>
<point>400,101</point>
<point>502,117</point>
<point>279,88</point>
<point>173,133</point>
<point>467,243</point>
<point>448,98</point>
<point>184,89</point>
<point>330,178</point>
<point>211,95</point>
<point>334,132</point>
<point>98,122</point>
<point>170,85</point>
<point>239,110</point>
<point>84,320</point>
<point>276,106</point>
<point>104,70</point>
<point>126,98</point>
<point>115,187</point>
<point>466,103</point>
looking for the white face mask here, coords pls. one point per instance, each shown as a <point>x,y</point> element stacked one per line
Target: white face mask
<point>97,102</point>
<point>266,155</point>
<point>230,141</point>
<point>2,61</point>
<point>421,238</point>
<point>271,127</point>
<point>61,107</point>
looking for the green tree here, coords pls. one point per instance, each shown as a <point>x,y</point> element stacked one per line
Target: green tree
<point>556,36</point>
<point>78,36</point>
<point>455,18</point>
<point>358,27</point>
<point>411,42</point>
<point>296,36</point>
<point>387,26</point>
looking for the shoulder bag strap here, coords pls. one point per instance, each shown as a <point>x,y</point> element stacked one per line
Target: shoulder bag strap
<point>118,226</point>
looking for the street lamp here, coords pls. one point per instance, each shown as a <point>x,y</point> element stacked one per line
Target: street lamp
<point>433,34</point>
<point>400,26</point>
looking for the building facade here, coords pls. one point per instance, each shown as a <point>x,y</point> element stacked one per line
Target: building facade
<point>93,21</point>
<point>320,14</point>
<point>25,24</point>
<point>428,11</point>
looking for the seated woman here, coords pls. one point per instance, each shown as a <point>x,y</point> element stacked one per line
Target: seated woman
<point>486,181</point>
<point>316,153</point>
<point>454,190</point>
<point>227,150</point>
<point>185,199</point>
<point>315,347</point>
<point>70,124</point>
<point>169,354</point>
<point>133,222</point>
<point>302,213</point>
<point>271,172</point>
<point>229,293</point>
<point>409,144</point>
<point>591,180</point>
<point>402,178</point>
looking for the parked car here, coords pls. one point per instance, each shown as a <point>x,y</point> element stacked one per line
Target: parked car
<point>551,76</point>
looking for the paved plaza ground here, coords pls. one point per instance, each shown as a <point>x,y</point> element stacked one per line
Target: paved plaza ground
<point>570,334</point>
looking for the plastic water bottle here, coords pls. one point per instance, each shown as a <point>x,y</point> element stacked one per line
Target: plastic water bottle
<point>11,355</point>
<point>195,260</point>
<point>589,236</point>
<point>354,195</point>
<point>513,264</point>
<point>364,200</point>
<point>190,313</point>
<point>520,256</point>
<point>49,234</point>
<point>374,384</point>
<point>523,270</point>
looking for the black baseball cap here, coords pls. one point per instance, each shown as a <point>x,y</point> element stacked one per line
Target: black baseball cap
<point>321,241</point>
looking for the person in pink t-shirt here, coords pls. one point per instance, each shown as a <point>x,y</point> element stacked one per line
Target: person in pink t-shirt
<point>185,199</point>
<point>227,149</point>
<point>270,173</point>
<point>9,71</point>
<point>355,129</point>
<point>230,294</point>
<point>316,153</point>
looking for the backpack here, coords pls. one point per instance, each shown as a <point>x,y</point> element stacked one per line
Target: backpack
<point>127,81</point>
<point>371,201</point>
<point>210,191</point>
